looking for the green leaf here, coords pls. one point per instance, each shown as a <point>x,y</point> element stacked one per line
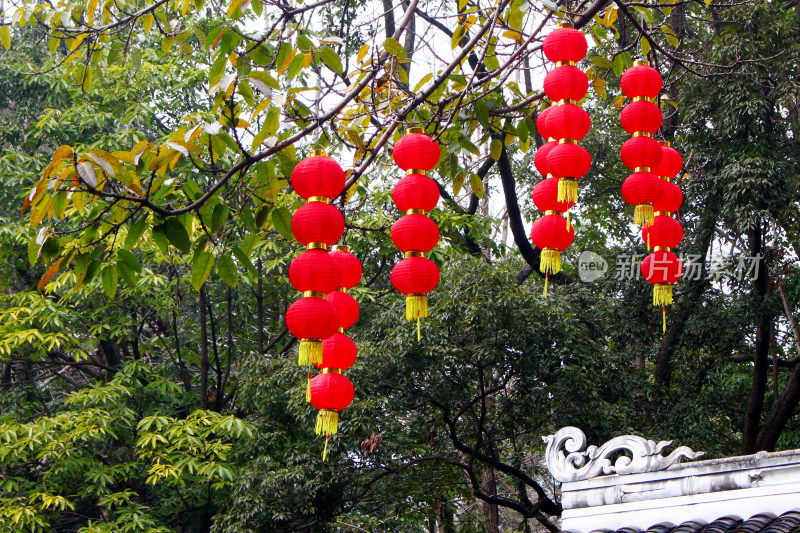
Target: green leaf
<point>33,251</point>
<point>110,280</point>
<point>476,183</point>
<point>495,150</point>
<point>201,268</point>
<point>482,112</point>
<point>135,233</point>
<point>218,217</point>
<point>282,220</point>
<point>244,260</point>
<point>618,66</point>
<point>129,259</point>
<point>395,48</point>
<point>176,234</point>
<point>467,145</point>
<point>331,59</point>
<point>159,238</point>
<point>226,269</point>
<point>670,36</point>
<point>126,273</point>
<point>602,62</point>
<point>645,46</point>
<point>457,35</point>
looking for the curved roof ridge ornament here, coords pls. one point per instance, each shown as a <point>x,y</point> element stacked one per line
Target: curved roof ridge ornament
<point>580,462</point>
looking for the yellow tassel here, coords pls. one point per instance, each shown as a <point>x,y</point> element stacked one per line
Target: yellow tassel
<point>550,261</point>
<point>643,214</point>
<point>327,422</point>
<point>419,331</point>
<point>664,318</point>
<point>416,306</point>
<point>325,449</point>
<point>567,190</point>
<point>308,388</point>
<point>568,222</point>
<point>648,240</point>
<point>546,282</point>
<point>662,294</point>
<point>310,352</point>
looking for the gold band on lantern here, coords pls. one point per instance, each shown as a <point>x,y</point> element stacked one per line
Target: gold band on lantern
<point>565,63</point>
<point>340,248</point>
<point>641,63</point>
<point>331,370</point>
<point>666,144</point>
<point>641,134</point>
<point>643,99</point>
<point>661,213</point>
<point>567,101</point>
<point>551,212</point>
<point>316,246</point>
<point>314,294</point>
<point>415,129</point>
<point>415,212</point>
<point>415,254</point>
<point>567,141</point>
<point>319,152</point>
<point>342,289</point>
<point>340,330</point>
<point>661,249</point>
<point>564,25</point>
<point>323,199</point>
<point>641,169</point>
<point>415,171</point>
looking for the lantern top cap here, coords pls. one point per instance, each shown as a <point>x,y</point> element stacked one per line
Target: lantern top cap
<point>318,152</point>
<point>415,129</point>
<point>641,63</point>
<point>340,248</point>
<point>564,25</point>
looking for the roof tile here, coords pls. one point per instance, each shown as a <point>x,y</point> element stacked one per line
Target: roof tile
<point>760,523</point>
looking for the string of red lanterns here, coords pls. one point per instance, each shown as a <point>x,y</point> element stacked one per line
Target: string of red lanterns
<point>560,160</point>
<point>414,233</point>
<point>330,392</point>
<point>641,153</point>
<point>663,268</point>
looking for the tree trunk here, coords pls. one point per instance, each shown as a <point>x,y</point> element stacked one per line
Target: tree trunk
<point>758,380</point>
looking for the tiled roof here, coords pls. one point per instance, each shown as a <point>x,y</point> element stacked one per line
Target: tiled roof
<point>760,523</point>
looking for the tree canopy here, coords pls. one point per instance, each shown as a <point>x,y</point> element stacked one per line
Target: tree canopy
<point>147,379</point>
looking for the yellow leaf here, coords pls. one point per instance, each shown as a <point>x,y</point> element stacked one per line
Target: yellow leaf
<point>259,108</point>
<point>423,81</point>
<point>362,52</point>
<point>76,42</point>
<point>599,86</point>
<point>186,5</point>
<point>51,271</point>
<point>287,61</point>
<point>619,100</point>
<point>513,35</point>
<point>233,7</point>
<point>5,37</point>
<point>148,22</point>
<point>645,46</point>
<point>610,16</point>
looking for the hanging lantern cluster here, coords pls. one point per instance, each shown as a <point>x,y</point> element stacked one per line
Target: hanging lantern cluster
<point>663,268</point>
<point>415,234</point>
<point>561,160</point>
<point>330,391</point>
<point>318,318</point>
<point>641,153</point>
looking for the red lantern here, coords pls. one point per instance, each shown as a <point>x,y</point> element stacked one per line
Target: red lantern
<point>566,83</point>
<point>641,152</point>
<point>664,231</point>
<point>641,80</point>
<point>569,162</point>
<point>641,116</point>
<point>415,276</point>
<point>568,121</point>
<point>662,268</point>
<point>317,222</point>
<point>545,197</point>
<point>565,44</point>
<point>330,393</point>
<point>346,306</point>
<point>415,232</point>
<point>671,162</point>
<point>551,236</point>
<point>540,159</point>
<point>415,191</point>
<point>541,123</point>
<point>349,266</point>
<point>641,189</point>
<point>315,270</point>
<point>338,351</point>
<point>670,200</point>
<point>318,175</point>
<point>311,319</point>
<point>415,150</point>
